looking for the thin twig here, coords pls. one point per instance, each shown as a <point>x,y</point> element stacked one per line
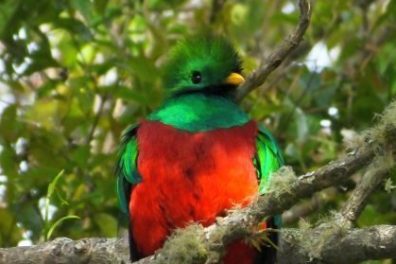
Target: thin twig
<point>95,122</point>
<point>307,207</point>
<point>359,197</point>
<point>258,77</point>
<point>376,173</point>
<point>217,5</point>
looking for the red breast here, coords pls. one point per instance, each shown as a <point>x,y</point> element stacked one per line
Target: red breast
<point>189,177</point>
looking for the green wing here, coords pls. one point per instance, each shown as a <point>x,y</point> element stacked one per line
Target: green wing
<point>126,167</point>
<point>268,158</point>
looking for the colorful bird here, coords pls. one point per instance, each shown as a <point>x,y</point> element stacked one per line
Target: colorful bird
<point>198,155</point>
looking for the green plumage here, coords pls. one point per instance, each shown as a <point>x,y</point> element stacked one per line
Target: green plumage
<point>268,158</point>
<point>199,112</point>
<point>213,57</point>
<point>126,169</point>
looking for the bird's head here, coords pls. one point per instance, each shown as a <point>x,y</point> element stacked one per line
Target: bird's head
<point>203,64</point>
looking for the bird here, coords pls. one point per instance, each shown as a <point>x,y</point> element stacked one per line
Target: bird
<point>198,155</point>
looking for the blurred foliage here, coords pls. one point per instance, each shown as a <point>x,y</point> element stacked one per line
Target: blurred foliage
<point>75,73</point>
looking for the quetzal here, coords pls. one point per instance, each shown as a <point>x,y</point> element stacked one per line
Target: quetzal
<point>198,155</point>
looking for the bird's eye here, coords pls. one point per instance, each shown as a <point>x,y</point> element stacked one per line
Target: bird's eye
<point>196,77</point>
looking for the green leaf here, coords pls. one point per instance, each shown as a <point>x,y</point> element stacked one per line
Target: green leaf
<point>75,27</point>
<point>85,8</point>
<point>126,93</point>
<point>9,125</point>
<point>57,223</point>
<point>143,68</point>
<point>9,232</point>
<point>29,216</point>
<point>107,224</point>
<point>100,5</point>
<point>301,124</point>
<point>7,11</point>
<point>52,185</point>
<point>80,155</point>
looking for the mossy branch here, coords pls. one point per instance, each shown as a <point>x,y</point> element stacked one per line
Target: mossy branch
<point>65,250</point>
<point>335,244</point>
<point>345,246</point>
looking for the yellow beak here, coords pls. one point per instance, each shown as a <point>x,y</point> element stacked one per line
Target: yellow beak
<point>234,79</point>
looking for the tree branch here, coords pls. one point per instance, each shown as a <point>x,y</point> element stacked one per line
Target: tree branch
<point>217,5</point>
<point>307,207</point>
<point>358,199</point>
<point>258,77</point>
<point>64,250</point>
<point>329,245</point>
<point>334,244</point>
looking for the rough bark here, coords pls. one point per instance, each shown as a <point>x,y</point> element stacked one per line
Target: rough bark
<point>297,246</point>
<point>335,244</point>
<point>358,199</point>
<point>65,250</point>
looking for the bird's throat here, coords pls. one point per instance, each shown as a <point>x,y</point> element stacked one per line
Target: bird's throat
<point>200,112</point>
